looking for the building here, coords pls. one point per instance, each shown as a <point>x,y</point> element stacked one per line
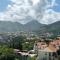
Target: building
<point>45,51</point>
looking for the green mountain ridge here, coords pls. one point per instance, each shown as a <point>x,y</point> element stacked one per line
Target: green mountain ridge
<point>54,27</point>
<point>7,26</point>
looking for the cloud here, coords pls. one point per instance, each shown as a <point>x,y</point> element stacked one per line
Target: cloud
<point>35,2</point>
<point>21,9</point>
<point>50,16</point>
<point>26,10</point>
<point>53,3</point>
<point>18,10</point>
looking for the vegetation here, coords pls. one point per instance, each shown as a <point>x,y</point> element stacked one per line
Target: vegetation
<point>6,53</point>
<point>20,42</point>
<point>16,42</point>
<point>27,46</point>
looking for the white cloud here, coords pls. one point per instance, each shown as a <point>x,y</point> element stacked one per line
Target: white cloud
<point>50,16</point>
<point>53,3</point>
<point>35,2</point>
<point>18,10</point>
<point>38,9</point>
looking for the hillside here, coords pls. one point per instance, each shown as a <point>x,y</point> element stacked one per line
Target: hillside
<point>33,26</point>
<point>7,26</point>
<point>51,28</point>
<point>54,27</point>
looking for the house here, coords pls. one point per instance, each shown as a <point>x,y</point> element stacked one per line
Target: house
<point>48,53</point>
<point>45,51</point>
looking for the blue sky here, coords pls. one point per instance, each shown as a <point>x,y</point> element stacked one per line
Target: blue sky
<point>4,4</point>
<point>18,11</point>
<point>57,8</point>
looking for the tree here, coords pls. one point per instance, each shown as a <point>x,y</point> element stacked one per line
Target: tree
<point>6,53</point>
<point>16,42</point>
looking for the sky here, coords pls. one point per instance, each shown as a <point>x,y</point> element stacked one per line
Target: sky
<point>23,11</point>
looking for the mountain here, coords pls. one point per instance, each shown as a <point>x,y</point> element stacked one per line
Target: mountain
<point>33,25</point>
<point>54,28</point>
<point>7,26</point>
